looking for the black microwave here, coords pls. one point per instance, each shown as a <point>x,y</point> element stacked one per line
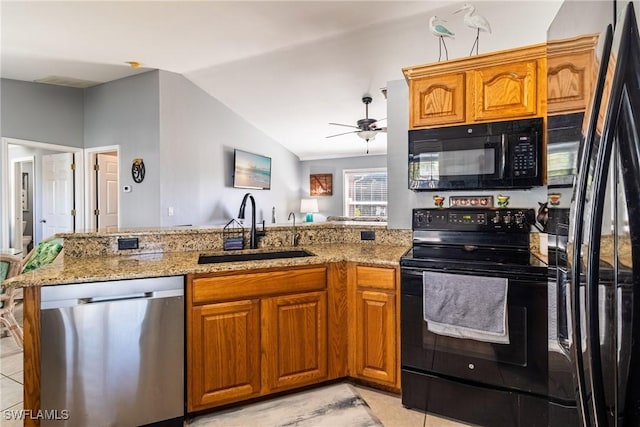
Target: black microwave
<point>564,134</point>
<point>499,155</point>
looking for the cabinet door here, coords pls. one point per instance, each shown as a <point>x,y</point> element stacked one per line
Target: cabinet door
<point>437,100</point>
<point>223,358</point>
<point>376,340</point>
<point>569,82</point>
<point>295,340</point>
<point>505,91</point>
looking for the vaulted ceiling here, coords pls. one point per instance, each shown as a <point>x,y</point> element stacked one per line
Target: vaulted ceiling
<point>287,67</point>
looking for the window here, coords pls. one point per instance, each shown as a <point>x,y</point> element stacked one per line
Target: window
<point>365,192</point>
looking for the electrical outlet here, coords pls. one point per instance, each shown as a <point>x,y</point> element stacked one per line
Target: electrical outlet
<point>368,235</point>
<point>128,243</point>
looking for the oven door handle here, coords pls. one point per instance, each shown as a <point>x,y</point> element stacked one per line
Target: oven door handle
<point>412,272</point>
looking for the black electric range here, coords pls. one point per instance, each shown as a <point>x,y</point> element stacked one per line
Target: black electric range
<point>501,384</point>
<point>479,240</point>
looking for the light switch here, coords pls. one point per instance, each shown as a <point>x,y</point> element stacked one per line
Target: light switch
<point>170,211</point>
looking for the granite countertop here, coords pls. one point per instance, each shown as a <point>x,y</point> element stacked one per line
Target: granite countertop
<point>104,268</point>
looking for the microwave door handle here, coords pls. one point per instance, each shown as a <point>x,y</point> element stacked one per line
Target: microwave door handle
<point>503,154</point>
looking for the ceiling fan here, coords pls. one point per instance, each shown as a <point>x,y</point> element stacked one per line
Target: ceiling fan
<point>367,128</point>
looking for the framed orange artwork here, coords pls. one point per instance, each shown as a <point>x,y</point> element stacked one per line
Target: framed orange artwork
<point>321,184</point>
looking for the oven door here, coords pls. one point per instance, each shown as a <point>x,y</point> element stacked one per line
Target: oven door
<point>520,365</point>
<point>459,163</point>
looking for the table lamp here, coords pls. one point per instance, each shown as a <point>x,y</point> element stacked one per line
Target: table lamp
<point>310,206</point>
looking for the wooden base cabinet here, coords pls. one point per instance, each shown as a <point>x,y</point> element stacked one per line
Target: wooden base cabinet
<point>225,352</point>
<point>252,334</point>
<point>375,323</point>
<point>295,340</point>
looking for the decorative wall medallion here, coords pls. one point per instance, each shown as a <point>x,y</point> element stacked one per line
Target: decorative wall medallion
<point>321,184</point>
<point>438,201</point>
<point>137,170</point>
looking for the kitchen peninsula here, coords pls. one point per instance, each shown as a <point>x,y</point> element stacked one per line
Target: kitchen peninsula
<point>305,301</point>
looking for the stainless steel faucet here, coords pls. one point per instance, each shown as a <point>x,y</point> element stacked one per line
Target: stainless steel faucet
<point>293,234</point>
<point>253,242</point>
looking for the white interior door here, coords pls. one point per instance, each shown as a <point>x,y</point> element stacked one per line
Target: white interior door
<point>57,194</point>
<point>16,241</point>
<point>107,191</point>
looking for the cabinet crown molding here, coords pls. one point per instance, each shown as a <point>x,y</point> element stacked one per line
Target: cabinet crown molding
<point>532,52</point>
<point>584,43</point>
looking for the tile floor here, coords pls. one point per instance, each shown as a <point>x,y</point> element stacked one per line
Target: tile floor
<point>387,407</point>
<point>11,378</point>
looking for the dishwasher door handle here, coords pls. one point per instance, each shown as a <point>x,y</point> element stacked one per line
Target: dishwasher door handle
<point>133,296</point>
<point>111,298</point>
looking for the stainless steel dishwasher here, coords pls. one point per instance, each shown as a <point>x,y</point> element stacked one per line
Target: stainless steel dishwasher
<point>112,353</point>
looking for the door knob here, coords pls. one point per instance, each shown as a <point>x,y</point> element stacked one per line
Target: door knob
<point>43,221</point>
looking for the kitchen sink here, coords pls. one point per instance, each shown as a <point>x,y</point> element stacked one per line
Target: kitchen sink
<point>253,256</point>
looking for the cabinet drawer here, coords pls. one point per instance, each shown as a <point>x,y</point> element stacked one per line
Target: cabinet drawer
<point>375,277</point>
<point>250,285</point>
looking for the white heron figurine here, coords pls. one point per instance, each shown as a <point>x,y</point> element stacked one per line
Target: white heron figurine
<point>441,32</point>
<point>477,22</point>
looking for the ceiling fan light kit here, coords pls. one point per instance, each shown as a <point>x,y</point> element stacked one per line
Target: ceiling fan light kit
<point>367,128</point>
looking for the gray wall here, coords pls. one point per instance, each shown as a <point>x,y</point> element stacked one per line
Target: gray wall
<point>333,205</point>
<point>125,112</point>
<point>594,17</point>
<point>197,137</point>
<point>41,112</point>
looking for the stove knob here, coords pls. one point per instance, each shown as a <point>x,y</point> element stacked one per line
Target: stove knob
<point>496,219</point>
<point>507,218</point>
<point>519,217</point>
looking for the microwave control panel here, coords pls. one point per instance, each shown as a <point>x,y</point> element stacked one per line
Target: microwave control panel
<point>524,157</point>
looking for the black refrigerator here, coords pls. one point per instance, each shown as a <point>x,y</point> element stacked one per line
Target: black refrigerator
<point>603,251</point>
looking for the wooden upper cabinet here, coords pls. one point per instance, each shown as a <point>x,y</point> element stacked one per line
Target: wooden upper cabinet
<point>502,85</point>
<point>507,90</point>
<point>438,100</point>
<point>571,74</point>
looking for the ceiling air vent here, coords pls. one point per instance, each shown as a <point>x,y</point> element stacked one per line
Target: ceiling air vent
<point>67,81</point>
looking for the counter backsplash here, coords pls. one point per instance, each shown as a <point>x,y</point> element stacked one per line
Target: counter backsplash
<point>211,239</point>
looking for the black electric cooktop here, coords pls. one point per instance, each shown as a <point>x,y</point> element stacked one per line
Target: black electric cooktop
<point>474,259</point>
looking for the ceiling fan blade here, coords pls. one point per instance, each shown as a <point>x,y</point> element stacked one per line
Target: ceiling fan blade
<point>344,133</point>
<point>340,124</point>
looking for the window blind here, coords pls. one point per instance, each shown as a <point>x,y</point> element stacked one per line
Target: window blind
<point>365,192</point>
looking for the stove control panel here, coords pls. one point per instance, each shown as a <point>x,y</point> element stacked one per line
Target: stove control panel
<point>480,219</point>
